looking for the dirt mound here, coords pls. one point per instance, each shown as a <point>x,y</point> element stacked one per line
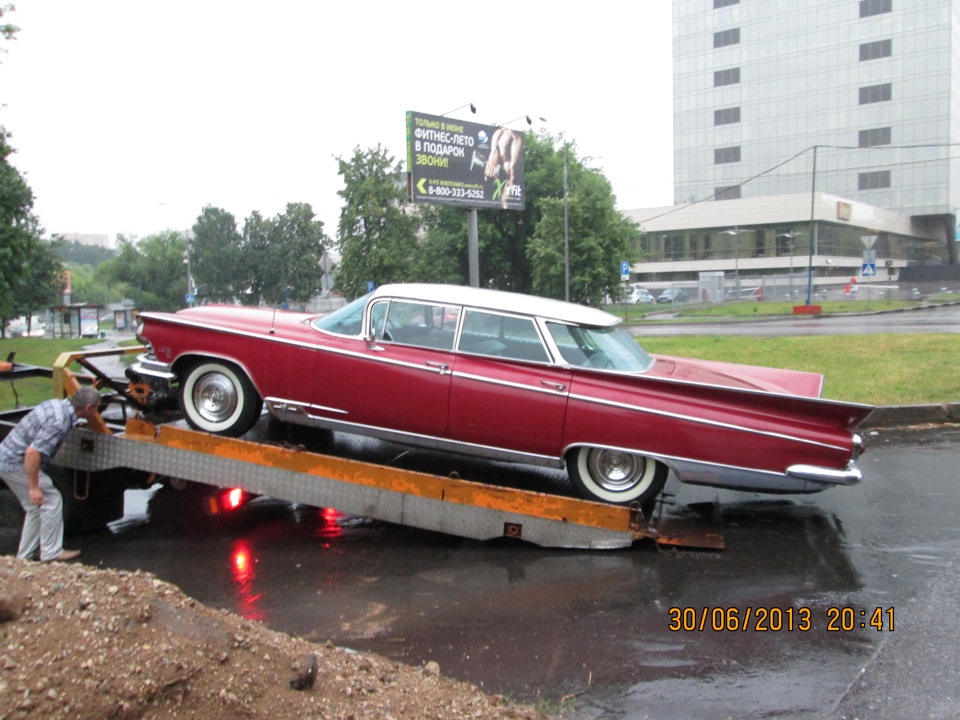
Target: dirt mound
<point>84,643</point>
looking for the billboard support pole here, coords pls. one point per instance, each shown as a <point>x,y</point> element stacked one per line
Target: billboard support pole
<point>473,247</point>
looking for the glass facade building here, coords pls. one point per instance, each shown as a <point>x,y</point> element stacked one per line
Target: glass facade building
<point>873,85</point>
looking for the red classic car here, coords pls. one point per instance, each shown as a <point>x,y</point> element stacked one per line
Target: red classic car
<point>507,377</point>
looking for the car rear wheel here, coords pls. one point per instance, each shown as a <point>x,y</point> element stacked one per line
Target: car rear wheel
<point>615,476</point>
<point>219,398</point>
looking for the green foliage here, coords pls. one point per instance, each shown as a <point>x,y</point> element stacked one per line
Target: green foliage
<point>599,237</point>
<point>281,257</point>
<point>29,266</point>
<point>40,280</point>
<point>216,256</point>
<point>376,237</point>
<point>523,251</point>
<point>7,30</point>
<point>78,253</point>
<point>152,268</point>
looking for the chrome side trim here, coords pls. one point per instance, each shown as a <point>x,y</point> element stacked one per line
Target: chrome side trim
<point>418,440</point>
<point>279,406</point>
<point>547,387</point>
<point>701,421</point>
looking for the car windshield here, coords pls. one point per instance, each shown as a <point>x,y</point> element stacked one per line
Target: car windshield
<point>609,348</point>
<point>347,320</point>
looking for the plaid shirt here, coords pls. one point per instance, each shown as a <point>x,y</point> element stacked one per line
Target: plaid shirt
<point>45,429</point>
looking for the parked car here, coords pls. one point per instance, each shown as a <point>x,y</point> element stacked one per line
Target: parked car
<point>638,294</point>
<point>673,295</point>
<point>508,377</point>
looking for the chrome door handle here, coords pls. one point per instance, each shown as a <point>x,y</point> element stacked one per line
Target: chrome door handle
<point>555,385</point>
<point>442,367</point>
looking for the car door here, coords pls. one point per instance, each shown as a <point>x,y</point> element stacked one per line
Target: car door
<point>505,392</point>
<point>399,379</point>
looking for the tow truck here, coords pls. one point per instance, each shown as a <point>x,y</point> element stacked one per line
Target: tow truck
<point>123,448</point>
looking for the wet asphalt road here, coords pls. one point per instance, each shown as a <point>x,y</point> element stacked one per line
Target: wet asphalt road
<point>539,624</point>
<point>939,319</point>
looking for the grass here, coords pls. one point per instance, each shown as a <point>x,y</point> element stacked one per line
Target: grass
<point>34,351</point>
<point>886,369</point>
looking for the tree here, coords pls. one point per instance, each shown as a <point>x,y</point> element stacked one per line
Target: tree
<point>376,236</point>
<point>40,280</point>
<point>600,237</point>
<point>522,251</point>
<point>16,203</point>
<point>29,266</point>
<point>281,257</point>
<point>152,268</point>
<point>216,255</point>
<point>77,253</point>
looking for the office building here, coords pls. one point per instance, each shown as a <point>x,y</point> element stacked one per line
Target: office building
<point>807,134</point>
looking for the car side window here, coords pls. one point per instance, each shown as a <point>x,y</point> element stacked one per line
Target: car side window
<point>412,323</point>
<point>494,335</point>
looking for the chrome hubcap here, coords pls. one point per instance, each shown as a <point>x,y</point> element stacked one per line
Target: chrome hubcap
<point>215,397</point>
<point>616,471</point>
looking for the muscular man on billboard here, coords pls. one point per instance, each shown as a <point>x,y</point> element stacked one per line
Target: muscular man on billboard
<point>506,149</point>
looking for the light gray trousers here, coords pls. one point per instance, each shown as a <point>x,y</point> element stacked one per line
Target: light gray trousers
<point>43,526</point>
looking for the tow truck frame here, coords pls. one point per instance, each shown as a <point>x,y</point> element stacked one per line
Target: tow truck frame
<point>442,504</point>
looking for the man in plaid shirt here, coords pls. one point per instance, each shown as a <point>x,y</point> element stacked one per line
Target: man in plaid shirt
<point>24,453</point>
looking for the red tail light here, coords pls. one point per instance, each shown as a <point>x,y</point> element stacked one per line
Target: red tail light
<point>226,501</point>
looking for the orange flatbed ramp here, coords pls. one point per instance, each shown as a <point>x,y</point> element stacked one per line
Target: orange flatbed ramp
<point>449,505</point>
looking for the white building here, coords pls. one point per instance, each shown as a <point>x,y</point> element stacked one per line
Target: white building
<point>802,127</point>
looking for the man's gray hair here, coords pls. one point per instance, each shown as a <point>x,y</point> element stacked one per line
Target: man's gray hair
<point>84,397</point>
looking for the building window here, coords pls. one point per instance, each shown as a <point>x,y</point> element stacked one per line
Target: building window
<point>874,180</point>
<point>726,77</point>
<point>726,116</point>
<point>717,4</point>
<point>874,137</point>
<point>726,37</point>
<point>876,93</point>
<point>875,50</point>
<point>875,7</point>
<point>726,155</point>
<point>731,192</point>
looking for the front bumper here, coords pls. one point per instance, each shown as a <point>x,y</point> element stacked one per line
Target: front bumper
<point>147,366</point>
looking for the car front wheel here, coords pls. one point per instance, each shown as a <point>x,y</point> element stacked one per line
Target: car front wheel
<point>219,398</point>
<point>615,476</point>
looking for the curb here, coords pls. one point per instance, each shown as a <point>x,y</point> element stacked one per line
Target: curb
<point>894,415</point>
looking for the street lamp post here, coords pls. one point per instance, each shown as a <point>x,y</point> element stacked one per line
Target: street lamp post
<point>791,246</point>
<point>813,226</point>
<point>566,229</point>
<point>736,257</point>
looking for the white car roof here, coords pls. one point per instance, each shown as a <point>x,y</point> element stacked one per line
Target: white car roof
<point>501,301</point>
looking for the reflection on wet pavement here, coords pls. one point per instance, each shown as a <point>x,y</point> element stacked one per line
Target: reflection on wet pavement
<point>543,624</point>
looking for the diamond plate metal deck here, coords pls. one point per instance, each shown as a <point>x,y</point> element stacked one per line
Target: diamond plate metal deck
<point>453,506</point>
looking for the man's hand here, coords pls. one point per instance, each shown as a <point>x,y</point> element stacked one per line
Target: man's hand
<point>31,468</point>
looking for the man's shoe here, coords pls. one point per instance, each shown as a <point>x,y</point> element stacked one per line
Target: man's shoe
<point>65,556</point>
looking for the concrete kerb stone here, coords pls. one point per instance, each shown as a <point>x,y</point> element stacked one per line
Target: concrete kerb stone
<point>900,415</point>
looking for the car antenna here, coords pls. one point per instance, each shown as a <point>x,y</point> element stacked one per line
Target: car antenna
<point>273,321</point>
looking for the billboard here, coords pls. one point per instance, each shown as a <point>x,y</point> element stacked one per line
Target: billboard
<point>455,162</point>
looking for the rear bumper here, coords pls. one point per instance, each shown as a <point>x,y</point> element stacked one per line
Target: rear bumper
<point>850,475</point>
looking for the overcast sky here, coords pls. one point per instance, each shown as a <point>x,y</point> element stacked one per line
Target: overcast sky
<point>128,116</point>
